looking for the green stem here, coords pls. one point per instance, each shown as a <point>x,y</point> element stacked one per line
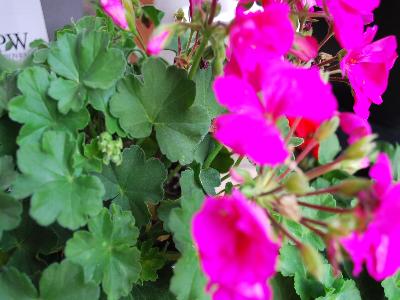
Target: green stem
<point>212,156</point>
<point>198,55</point>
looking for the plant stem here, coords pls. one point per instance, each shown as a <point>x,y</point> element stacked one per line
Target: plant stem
<point>198,55</point>
<point>174,172</point>
<point>318,171</point>
<point>313,229</point>
<point>282,229</point>
<point>292,130</point>
<point>212,156</point>
<point>325,208</point>
<point>316,222</point>
<point>330,190</point>
<point>328,61</point>
<point>313,143</point>
<point>212,11</point>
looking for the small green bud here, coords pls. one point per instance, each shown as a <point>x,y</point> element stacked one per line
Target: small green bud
<point>288,207</point>
<point>297,183</point>
<point>360,149</point>
<point>312,260</point>
<point>327,129</point>
<point>180,15</point>
<point>342,225</point>
<point>351,187</point>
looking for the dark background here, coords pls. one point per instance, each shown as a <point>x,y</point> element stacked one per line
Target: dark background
<point>385,118</point>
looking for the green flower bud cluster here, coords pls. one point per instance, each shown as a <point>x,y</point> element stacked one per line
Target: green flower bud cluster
<point>111,149</point>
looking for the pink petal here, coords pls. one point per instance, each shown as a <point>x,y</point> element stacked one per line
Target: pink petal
<point>381,172</point>
<point>297,92</point>
<point>237,95</point>
<point>354,126</point>
<point>251,136</point>
<point>116,11</point>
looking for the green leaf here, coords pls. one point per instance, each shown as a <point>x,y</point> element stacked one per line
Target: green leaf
<point>290,261</point>
<point>7,172</point>
<point>188,282</point>
<point>86,62</point>
<point>328,149</point>
<point>154,14</point>
<point>15,285</point>
<point>210,179</point>
<point>347,291</point>
<point>69,94</point>
<point>38,112</point>
<point>29,241</point>
<point>151,260</point>
<point>60,191</point>
<point>59,282</point>
<point>107,252</point>
<point>205,94</point>
<point>65,281</point>
<point>163,101</point>
<point>391,286</point>
<point>8,90</point>
<point>100,99</point>
<point>158,290</point>
<point>135,182</point>
<point>10,212</point>
<point>180,218</point>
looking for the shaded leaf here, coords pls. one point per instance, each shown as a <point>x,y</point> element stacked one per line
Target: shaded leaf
<point>163,101</point>
<point>86,62</point>
<point>38,112</point>
<point>135,182</point>
<point>60,191</point>
<point>10,212</point>
<point>107,252</point>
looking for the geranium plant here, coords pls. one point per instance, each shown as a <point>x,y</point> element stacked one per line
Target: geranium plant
<point>218,175</point>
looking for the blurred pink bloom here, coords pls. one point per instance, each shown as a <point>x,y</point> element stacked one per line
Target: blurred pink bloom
<point>305,47</point>
<point>367,68</point>
<point>379,244</point>
<point>158,41</point>
<point>253,136</point>
<point>267,33</point>
<point>354,126</point>
<point>284,90</point>
<point>349,18</point>
<point>233,237</point>
<point>116,11</point>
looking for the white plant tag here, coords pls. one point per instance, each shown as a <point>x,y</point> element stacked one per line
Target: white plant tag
<point>21,22</point>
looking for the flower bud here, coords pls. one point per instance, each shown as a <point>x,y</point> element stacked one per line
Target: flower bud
<point>288,207</point>
<point>159,40</point>
<point>351,187</point>
<point>180,15</point>
<point>312,260</point>
<point>327,129</point>
<point>297,183</point>
<point>360,149</point>
<point>342,225</point>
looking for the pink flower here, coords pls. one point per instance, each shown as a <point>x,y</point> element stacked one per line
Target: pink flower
<point>267,33</point>
<point>349,18</point>
<point>284,90</point>
<point>379,244</point>
<point>157,42</point>
<point>354,126</point>
<point>236,252</point>
<point>116,11</point>
<point>305,47</point>
<point>367,68</point>
<point>253,136</point>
